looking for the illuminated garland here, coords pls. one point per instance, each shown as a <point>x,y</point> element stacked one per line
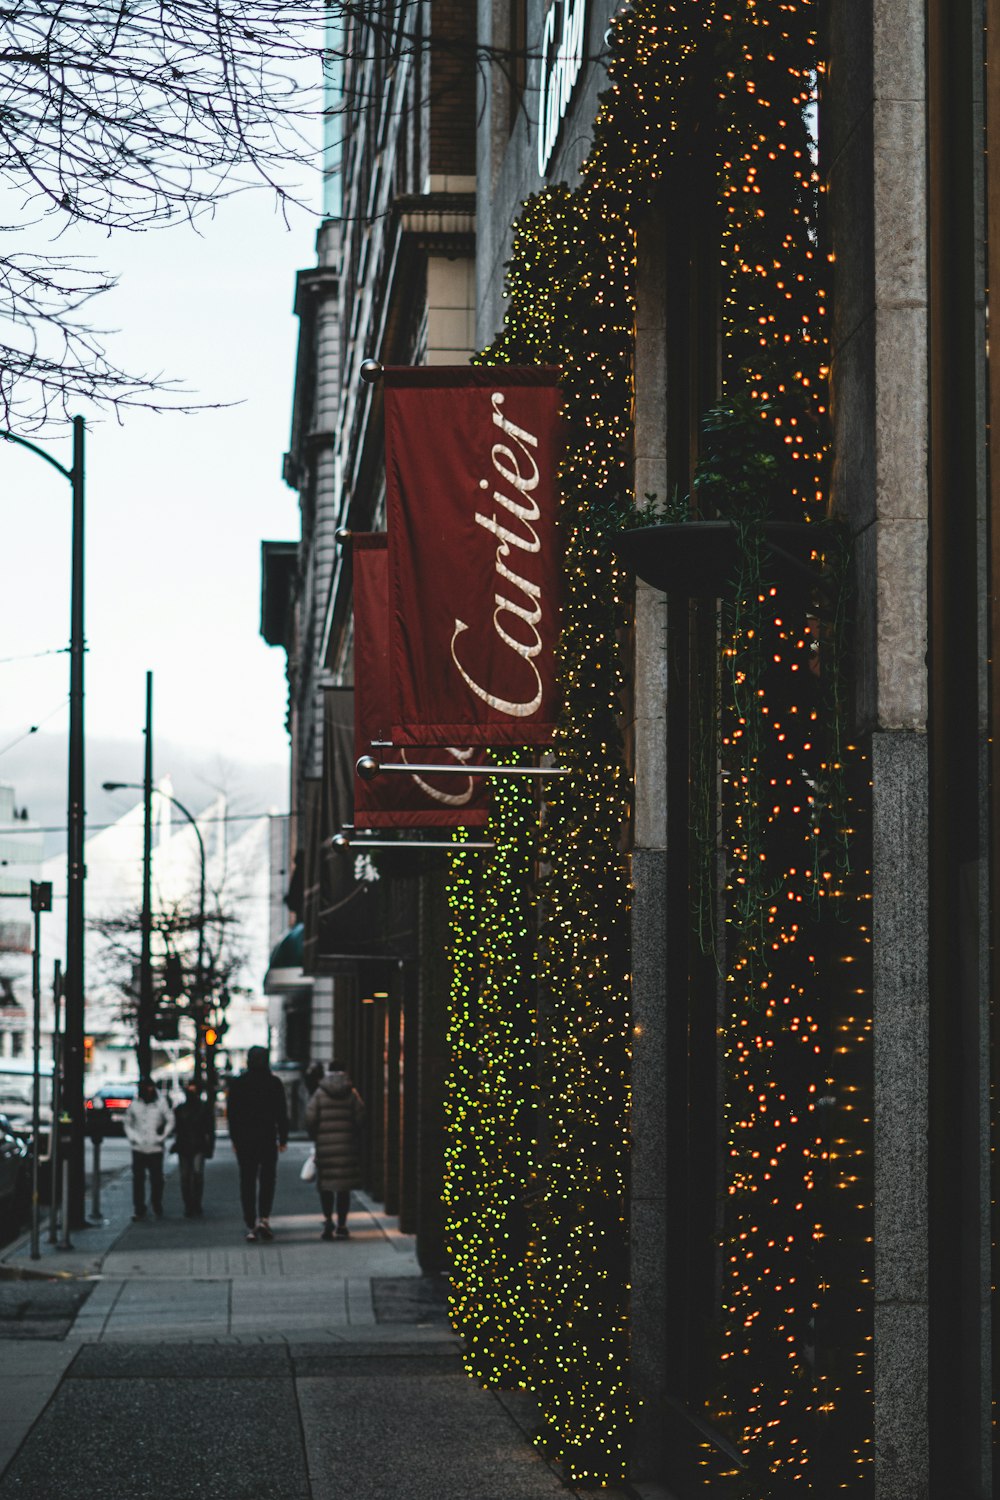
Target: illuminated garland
<point>741,78</point>
<point>578,1255</point>
<point>462,1175</point>
<point>782,769</point>
<point>565,296</point>
<point>489,1163</point>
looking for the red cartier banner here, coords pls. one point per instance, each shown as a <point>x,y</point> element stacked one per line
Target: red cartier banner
<point>396,801</point>
<point>475,556</point>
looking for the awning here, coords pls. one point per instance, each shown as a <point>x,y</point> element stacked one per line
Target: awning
<point>285,974</point>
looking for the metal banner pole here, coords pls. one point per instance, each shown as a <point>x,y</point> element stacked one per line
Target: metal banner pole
<point>368,767</point>
<point>346,841</point>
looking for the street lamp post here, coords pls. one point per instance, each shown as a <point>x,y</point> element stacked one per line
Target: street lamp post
<point>131,786</point>
<point>72,1080</point>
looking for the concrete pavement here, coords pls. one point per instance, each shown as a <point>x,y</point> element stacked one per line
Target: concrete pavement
<point>200,1366</point>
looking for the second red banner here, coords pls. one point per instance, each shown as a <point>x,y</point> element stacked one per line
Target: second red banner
<point>393,800</point>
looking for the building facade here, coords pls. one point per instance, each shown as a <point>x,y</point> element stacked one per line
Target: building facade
<point>759,243</point>
<point>395,279</point>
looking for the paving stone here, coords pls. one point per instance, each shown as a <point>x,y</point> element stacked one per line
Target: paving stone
<point>190,1438</point>
<point>180,1361</point>
<point>40,1309</point>
<point>447,1440</point>
<point>410,1299</point>
<point>361,1366</point>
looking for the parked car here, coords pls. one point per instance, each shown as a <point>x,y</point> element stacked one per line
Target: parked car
<point>107,1106</point>
<point>15,1110</point>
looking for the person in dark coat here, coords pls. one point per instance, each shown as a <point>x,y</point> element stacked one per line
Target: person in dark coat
<point>194,1144</point>
<point>258,1129</point>
<point>334,1116</point>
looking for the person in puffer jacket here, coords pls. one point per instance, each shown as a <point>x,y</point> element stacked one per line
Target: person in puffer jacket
<point>334,1116</point>
<point>148,1122</point>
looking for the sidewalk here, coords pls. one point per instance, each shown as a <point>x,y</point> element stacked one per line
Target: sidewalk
<point>197,1278</point>
<point>202,1367</point>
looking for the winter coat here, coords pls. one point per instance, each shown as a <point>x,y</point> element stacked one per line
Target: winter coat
<point>334,1116</point>
<point>258,1113</point>
<point>147,1125</point>
<point>194,1128</point>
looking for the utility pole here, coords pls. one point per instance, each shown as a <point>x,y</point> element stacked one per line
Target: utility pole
<point>144,1041</point>
<point>72,1090</point>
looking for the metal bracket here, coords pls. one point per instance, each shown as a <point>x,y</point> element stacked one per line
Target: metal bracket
<point>345,840</point>
<point>368,768</point>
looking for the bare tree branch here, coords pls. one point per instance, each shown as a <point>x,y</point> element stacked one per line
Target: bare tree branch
<point>134,114</point>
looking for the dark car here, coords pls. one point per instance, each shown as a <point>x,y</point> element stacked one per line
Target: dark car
<point>15,1175</point>
<point>107,1107</point>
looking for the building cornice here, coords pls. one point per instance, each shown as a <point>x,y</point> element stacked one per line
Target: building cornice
<point>437,223</point>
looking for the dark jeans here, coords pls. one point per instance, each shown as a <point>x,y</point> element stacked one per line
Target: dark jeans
<point>143,1162</point>
<point>258,1174</point>
<point>343,1196</point>
<point>192,1170</point>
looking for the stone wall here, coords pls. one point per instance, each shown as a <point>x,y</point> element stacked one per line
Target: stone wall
<point>873,153</point>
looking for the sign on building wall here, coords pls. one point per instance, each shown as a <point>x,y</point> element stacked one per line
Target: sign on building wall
<point>564,37</point>
<point>475,556</point>
<point>417,801</point>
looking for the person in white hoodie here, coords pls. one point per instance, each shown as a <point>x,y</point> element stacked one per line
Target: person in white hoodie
<point>148,1122</point>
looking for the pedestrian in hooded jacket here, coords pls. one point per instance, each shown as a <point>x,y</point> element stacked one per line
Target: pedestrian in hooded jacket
<point>258,1129</point>
<point>334,1116</point>
<point>148,1122</point>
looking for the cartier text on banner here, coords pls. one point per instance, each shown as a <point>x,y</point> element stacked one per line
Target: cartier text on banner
<point>475,560</point>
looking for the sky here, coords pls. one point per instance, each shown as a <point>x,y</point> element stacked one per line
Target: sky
<point>177,507</point>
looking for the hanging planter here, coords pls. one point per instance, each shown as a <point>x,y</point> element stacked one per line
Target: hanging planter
<point>703,557</point>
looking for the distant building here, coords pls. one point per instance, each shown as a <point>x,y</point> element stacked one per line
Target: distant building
<point>237,885</point>
<point>21,845</point>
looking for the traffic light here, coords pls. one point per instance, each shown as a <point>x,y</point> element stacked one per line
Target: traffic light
<point>41,895</point>
<point>211,1036</point>
<point>173,977</point>
<point>166,1023</point>
<point>88,1051</point>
